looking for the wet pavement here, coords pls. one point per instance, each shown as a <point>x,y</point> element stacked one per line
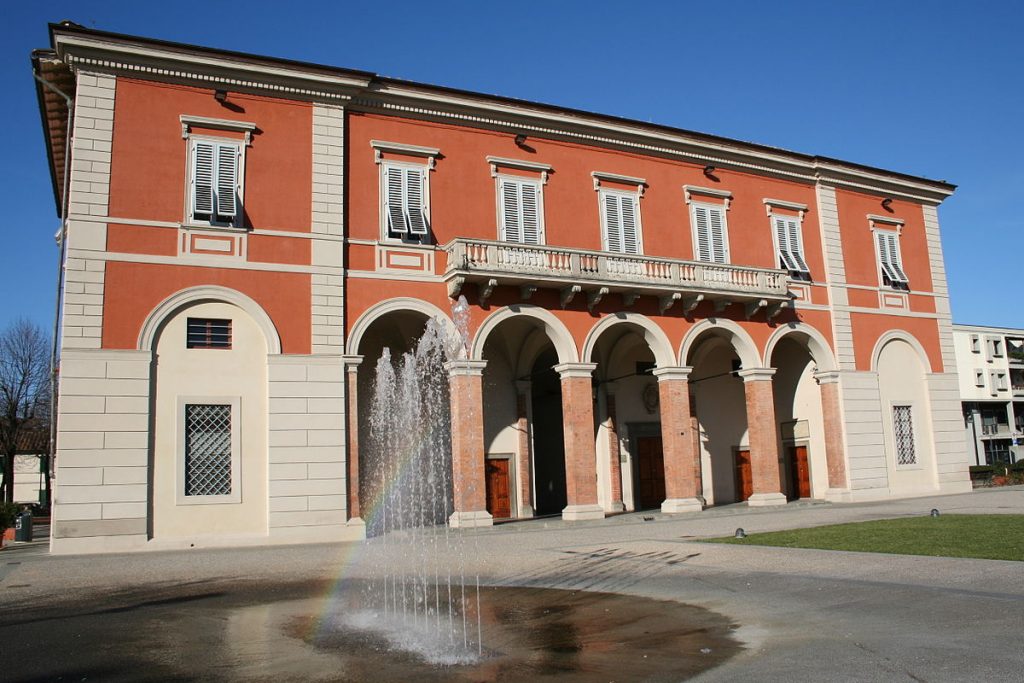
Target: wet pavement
<point>614,590</point>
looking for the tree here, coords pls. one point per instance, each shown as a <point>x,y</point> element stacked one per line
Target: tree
<point>24,391</point>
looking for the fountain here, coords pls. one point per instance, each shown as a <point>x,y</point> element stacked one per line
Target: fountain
<point>420,605</point>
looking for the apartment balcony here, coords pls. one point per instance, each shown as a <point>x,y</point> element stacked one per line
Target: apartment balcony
<point>596,274</point>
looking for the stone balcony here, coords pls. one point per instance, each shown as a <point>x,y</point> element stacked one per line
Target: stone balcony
<point>595,274</point>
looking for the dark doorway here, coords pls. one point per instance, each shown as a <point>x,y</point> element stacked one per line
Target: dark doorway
<point>744,475</point>
<point>650,472</point>
<point>548,436</point>
<point>799,473</point>
<point>499,504</point>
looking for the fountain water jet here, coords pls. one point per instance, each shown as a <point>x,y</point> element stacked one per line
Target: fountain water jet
<point>418,605</point>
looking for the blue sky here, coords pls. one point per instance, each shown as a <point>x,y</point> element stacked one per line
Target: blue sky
<point>933,89</point>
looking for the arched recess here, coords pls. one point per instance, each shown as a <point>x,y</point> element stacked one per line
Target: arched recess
<point>903,336</point>
<point>814,340</point>
<point>727,329</point>
<point>381,309</point>
<point>556,330</point>
<point>655,337</point>
<point>207,294</point>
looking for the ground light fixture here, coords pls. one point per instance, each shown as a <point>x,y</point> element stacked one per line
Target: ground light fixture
<point>740,533</point>
<point>935,512</point>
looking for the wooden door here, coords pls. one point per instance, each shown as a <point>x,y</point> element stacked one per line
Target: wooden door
<point>650,471</point>
<point>799,473</point>
<point>498,500</point>
<point>744,475</point>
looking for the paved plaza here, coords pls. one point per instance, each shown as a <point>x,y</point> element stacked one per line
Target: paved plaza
<point>796,614</point>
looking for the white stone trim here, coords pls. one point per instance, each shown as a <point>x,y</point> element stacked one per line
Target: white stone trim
<point>690,190</point>
<point>602,176</point>
<point>756,374</point>
<point>501,162</point>
<point>225,263</point>
<point>575,370</point>
<point>652,333</point>
<point>669,374</point>
<point>193,295</point>
<point>555,329</point>
<point>397,304</point>
<point>817,345</point>
<point>188,121</point>
<point>381,147</point>
<point>770,204</point>
<point>739,338</point>
<point>902,335</point>
<point>886,220</point>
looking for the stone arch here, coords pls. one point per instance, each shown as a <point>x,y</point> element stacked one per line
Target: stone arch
<point>814,340</point>
<point>655,337</point>
<point>402,303</point>
<point>207,293</point>
<point>901,335</point>
<point>556,330</point>
<point>740,340</point>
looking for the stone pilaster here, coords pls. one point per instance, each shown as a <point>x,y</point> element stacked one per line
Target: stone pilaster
<point>679,450</point>
<point>469,487</point>
<point>614,453</point>
<point>352,364</point>
<point>524,475</point>
<point>832,419</point>
<point>764,438</point>
<point>580,451</point>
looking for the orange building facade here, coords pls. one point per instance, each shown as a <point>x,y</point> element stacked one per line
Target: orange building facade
<point>657,319</point>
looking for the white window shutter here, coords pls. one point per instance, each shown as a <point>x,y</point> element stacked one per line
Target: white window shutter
<point>394,200</point>
<point>530,213</point>
<point>202,178</point>
<point>613,223</point>
<point>782,237</point>
<point>894,255</point>
<point>227,180</point>
<point>883,256</point>
<point>510,211</point>
<point>416,209</point>
<point>795,245</point>
<point>718,247</point>
<point>630,236</point>
<point>703,227</point>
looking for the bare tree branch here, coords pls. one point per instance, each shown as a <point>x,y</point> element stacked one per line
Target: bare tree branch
<point>24,390</point>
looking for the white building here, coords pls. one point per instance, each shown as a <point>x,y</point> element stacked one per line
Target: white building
<point>990,362</point>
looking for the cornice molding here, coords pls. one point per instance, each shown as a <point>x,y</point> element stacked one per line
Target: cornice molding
<point>381,147</point>
<point>187,122</point>
<point>602,176</point>
<point>501,162</point>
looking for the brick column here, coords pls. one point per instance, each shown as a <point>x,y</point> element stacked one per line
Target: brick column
<point>524,476</point>
<point>764,437</point>
<point>679,452</point>
<point>614,452</point>
<point>465,379</point>
<point>580,453</point>
<point>832,417</point>
<point>352,436</point>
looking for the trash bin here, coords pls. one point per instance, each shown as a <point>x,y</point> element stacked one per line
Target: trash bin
<point>23,527</point>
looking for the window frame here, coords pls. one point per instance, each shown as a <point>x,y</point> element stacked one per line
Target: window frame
<point>724,209</point>
<point>795,273</point>
<point>538,185</point>
<point>634,197</point>
<point>208,321</point>
<point>915,435</point>
<point>898,283</point>
<point>235,403</point>
<point>191,217</point>
<point>383,204</point>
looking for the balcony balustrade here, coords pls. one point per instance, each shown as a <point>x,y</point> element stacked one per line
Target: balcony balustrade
<point>490,264</point>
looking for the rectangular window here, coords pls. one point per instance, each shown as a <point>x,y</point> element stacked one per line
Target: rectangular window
<point>903,429</point>
<point>405,202</point>
<point>1001,384</point>
<point>889,260</point>
<point>620,214</point>
<point>975,344</point>
<point>790,245</point>
<point>979,378</point>
<point>215,182</point>
<point>711,241</point>
<point>520,210</point>
<point>208,333</point>
<point>207,450</point>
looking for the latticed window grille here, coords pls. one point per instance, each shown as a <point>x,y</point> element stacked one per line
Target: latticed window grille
<point>903,427</point>
<point>207,450</point>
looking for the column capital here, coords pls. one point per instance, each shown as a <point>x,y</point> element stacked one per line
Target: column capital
<point>827,376</point>
<point>467,368</point>
<point>568,370</point>
<point>673,373</point>
<point>352,362</point>
<point>757,374</point>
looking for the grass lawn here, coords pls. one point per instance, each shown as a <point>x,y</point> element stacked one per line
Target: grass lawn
<point>990,537</point>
